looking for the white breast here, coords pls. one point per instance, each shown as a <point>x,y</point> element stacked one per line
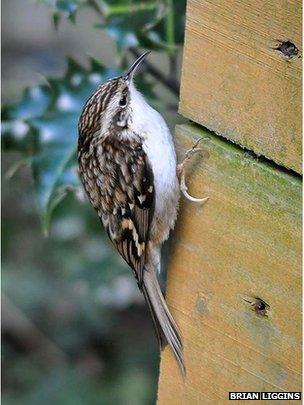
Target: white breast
<point>158,146</point>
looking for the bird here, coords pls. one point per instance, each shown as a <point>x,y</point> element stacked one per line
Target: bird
<point>128,167</point>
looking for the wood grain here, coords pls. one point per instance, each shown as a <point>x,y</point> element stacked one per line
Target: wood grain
<point>236,84</point>
<point>244,242</point>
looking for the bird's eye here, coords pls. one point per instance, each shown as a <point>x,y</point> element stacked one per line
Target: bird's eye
<point>123,101</point>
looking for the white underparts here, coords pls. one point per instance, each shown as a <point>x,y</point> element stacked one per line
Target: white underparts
<point>158,146</point>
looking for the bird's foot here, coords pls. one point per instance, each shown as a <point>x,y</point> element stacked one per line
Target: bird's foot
<point>180,170</point>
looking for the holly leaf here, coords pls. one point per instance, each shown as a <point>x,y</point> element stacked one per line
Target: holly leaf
<point>67,8</point>
<point>154,24</point>
<point>157,25</point>
<point>42,127</point>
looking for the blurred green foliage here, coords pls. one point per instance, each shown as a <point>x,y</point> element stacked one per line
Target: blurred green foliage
<point>154,24</point>
<point>76,330</point>
<point>42,126</point>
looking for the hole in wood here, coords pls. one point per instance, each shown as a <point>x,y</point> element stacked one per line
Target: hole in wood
<point>288,49</point>
<point>259,306</point>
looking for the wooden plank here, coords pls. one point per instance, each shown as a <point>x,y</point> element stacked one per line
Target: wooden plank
<point>244,242</point>
<point>235,84</point>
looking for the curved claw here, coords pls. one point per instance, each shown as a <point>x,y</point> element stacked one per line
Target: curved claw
<point>184,190</point>
<point>181,173</point>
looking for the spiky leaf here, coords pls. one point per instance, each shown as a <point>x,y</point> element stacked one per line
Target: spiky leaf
<point>43,128</point>
<point>152,24</point>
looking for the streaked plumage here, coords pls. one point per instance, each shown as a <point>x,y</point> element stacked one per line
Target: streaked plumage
<point>127,165</point>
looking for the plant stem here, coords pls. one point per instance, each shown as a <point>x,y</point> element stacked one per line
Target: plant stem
<point>173,66</point>
<point>170,25</point>
<point>32,339</point>
<point>99,6</point>
<point>109,10</point>
<point>170,82</point>
<point>129,8</point>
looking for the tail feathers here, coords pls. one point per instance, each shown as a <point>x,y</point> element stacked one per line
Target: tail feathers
<point>158,330</point>
<point>165,327</point>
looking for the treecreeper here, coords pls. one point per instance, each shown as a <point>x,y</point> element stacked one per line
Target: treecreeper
<point>127,165</point>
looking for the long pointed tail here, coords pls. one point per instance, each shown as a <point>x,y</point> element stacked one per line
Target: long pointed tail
<point>165,327</point>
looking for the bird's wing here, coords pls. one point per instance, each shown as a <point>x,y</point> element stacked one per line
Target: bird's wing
<point>131,209</point>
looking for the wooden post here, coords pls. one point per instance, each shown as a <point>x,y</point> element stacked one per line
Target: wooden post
<point>243,244</point>
<point>235,83</point>
<point>234,278</point>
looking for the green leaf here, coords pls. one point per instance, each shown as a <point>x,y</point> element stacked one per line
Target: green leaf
<point>154,24</point>
<point>26,161</point>
<point>43,128</point>
<point>67,8</point>
<point>157,25</point>
<point>56,19</point>
<point>53,165</point>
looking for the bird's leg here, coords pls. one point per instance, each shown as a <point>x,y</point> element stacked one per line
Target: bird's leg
<point>180,170</point>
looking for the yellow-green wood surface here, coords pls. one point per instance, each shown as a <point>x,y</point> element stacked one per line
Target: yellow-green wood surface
<point>245,242</point>
<point>235,83</point>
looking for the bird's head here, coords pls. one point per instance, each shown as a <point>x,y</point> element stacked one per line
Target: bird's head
<point>109,108</point>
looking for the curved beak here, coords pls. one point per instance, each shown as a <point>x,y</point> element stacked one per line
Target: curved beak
<point>130,72</point>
